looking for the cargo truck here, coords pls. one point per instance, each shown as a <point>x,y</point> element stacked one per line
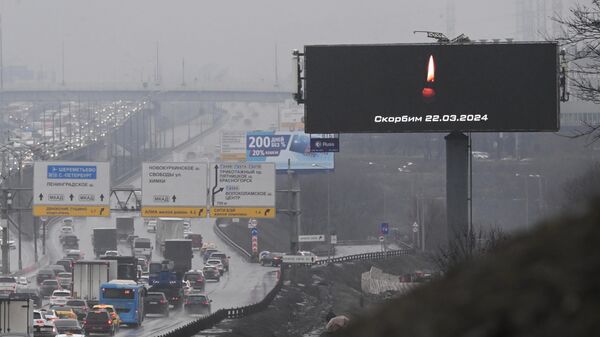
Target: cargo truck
<point>126,267</point>
<point>125,228</point>
<point>89,275</point>
<point>180,252</point>
<point>104,239</point>
<point>142,247</point>
<point>168,229</point>
<point>16,316</point>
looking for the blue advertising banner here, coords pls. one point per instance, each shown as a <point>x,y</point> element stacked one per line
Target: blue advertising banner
<point>279,147</point>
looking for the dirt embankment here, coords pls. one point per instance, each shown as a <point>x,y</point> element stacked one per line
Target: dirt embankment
<point>309,294</point>
<point>544,283</point>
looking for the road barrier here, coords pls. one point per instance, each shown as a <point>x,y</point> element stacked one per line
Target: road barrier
<point>207,322</point>
<point>230,242</point>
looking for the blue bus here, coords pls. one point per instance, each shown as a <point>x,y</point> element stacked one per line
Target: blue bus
<point>127,297</point>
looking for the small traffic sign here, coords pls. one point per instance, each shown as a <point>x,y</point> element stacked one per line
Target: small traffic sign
<point>384,228</point>
<point>333,239</point>
<point>381,238</point>
<point>311,238</point>
<point>254,232</point>
<point>298,259</point>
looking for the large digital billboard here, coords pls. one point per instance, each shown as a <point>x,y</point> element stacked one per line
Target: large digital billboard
<point>431,87</point>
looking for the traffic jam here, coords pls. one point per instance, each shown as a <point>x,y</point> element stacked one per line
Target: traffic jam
<point>79,295</point>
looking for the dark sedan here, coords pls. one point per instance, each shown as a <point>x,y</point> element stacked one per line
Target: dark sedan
<point>79,306</point>
<point>271,259</point>
<point>197,304</point>
<point>48,287</point>
<point>156,303</point>
<point>65,326</point>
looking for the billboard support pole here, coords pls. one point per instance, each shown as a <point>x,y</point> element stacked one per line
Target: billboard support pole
<point>457,183</point>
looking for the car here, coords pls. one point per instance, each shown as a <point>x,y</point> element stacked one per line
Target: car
<point>151,227</point>
<point>74,254</point>
<point>187,231</point>
<point>49,314</point>
<point>64,279</point>
<point>142,262</point>
<point>208,252</point>
<point>112,253</point>
<point>187,287</point>
<point>64,312</point>
<point>57,269</point>
<point>197,304</point>
<point>223,257</point>
<point>28,293</point>
<point>59,297</point>
<point>68,222</point>
<point>70,241</point>
<point>42,326</point>
<point>49,286</point>
<point>22,281</point>
<point>217,263</point>
<point>144,280</point>
<point>45,274</point>
<point>111,310</point>
<point>211,273</point>
<point>66,326</point>
<point>262,254</point>
<point>79,306</point>
<point>8,284</point>
<point>99,321</point>
<point>272,259</point>
<point>196,279</point>
<point>66,263</point>
<point>64,230</point>
<point>206,246</point>
<point>156,303</point>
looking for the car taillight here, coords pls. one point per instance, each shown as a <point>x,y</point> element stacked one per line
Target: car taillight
<point>84,321</point>
<point>109,321</point>
<point>163,301</point>
<point>113,315</point>
<point>205,302</point>
<point>188,302</point>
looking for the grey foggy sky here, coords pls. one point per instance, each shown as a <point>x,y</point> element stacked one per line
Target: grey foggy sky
<point>115,41</point>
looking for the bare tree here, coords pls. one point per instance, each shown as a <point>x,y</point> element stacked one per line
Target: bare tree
<point>468,246</point>
<point>580,43</point>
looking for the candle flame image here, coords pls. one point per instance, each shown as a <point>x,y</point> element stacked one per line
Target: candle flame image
<point>428,92</point>
<point>431,70</point>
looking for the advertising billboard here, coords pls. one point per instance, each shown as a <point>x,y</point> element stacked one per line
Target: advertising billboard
<point>431,87</point>
<point>279,147</point>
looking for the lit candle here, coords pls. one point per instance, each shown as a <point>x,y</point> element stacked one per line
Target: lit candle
<point>428,92</point>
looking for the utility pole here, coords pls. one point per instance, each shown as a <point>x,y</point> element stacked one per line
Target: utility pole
<point>63,64</point>
<point>5,258</point>
<point>1,57</point>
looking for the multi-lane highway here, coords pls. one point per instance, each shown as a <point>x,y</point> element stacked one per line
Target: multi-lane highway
<point>244,284</point>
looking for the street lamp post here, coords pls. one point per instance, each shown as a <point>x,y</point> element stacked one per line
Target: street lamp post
<point>384,196</point>
<point>526,178</point>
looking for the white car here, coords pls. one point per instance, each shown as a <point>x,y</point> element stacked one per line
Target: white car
<point>60,297</point>
<point>151,226</point>
<point>216,263</point>
<point>64,230</point>
<point>42,323</point>
<point>111,253</point>
<point>22,281</point>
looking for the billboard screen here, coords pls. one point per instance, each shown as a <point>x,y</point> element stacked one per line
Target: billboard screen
<point>280,146</point>
<point>431,87</point>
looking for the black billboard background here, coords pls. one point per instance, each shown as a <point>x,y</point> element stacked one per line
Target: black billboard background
<point>515,85</point>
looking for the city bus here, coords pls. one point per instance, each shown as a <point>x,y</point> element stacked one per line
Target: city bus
<point>128,299</point>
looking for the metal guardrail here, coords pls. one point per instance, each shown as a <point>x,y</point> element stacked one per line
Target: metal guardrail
<point>207,322</point>
<point>210,321</point>
<point>230,242</point>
